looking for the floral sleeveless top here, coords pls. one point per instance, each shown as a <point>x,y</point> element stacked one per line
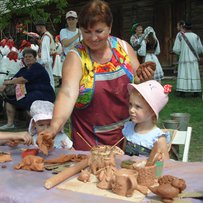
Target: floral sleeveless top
<point>119,60</point>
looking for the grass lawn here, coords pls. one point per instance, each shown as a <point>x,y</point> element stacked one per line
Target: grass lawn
<point>193,106</point>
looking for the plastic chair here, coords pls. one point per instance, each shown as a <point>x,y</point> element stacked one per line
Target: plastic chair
<point>181,138</point>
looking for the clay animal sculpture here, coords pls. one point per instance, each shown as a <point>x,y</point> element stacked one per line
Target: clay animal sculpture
<point>84,176</point>
<point>105,174</point>
<point>169,188</point>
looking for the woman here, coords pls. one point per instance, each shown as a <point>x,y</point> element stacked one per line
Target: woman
<point>94,87</point>
<point>188,46</point>
<point>71,35</point>
<point>150,49</point>
<point>57,61</point>
<point>137,38</point>
<point>32,83</point>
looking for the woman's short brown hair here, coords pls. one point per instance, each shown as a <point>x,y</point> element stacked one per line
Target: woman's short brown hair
<point>29,51</point>
<point>93,12</point>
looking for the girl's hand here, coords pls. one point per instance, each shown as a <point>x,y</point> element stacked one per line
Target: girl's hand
<point>20,138</point>
<point>26,137</point>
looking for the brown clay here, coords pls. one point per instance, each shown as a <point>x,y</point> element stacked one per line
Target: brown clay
<point>61,159</point>
<point>32,163</point>
<point>100,153</point>
<point>166,191</point>
<point>166,179</point>
<point>45,143</point>
<point>146,175</point>
<point>104,175</point>
<point>143,66</point>
<point>4,157</point>
<point>124,182</point>
<point>84,176</point>
<point>170,187</point>
<point>179,183</point>
<point>65,174</point>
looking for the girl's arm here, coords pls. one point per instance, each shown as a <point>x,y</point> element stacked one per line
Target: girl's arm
<point>163,147</point>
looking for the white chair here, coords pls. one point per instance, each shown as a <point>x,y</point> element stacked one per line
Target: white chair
<point>181,138</point>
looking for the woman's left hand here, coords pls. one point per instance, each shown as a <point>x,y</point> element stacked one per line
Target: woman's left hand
<point>146,71</point>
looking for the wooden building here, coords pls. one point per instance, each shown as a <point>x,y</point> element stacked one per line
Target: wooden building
<point>162,15</point>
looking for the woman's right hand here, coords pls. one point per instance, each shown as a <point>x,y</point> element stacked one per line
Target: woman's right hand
<point>45,140</point>
<point>2,87</point>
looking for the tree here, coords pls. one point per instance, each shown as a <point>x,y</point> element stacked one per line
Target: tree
<point>32,10</point>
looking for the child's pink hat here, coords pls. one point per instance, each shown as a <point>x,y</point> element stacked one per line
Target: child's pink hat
<point>153,93</point>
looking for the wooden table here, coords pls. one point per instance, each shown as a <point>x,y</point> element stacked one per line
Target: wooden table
<point>21,186</point>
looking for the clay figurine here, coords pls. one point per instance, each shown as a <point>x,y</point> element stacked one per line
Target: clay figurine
<point>124,182</point>
<point>84,176</point>
<point>169,188</point>
<point>99,153</point>
<point>104,175</point>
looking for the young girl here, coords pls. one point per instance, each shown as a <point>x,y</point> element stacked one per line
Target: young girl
<point>41,113</point>
<point>146,101</point>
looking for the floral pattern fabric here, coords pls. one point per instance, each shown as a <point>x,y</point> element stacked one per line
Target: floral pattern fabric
<point>89,68</point>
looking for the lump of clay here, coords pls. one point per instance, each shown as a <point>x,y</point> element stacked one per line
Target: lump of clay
<point>32,163</point>
<point>84,176</point>
<point>176,182</point>
<point>4,157</point>
<point>45,143</point>
<point>144,66</point>
<point>169,187</point>
<point>166,191</point>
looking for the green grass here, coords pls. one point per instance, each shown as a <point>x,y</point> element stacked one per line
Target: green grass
<point>193,106</point>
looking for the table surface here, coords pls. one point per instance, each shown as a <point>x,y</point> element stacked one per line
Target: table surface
<point>21,186</point>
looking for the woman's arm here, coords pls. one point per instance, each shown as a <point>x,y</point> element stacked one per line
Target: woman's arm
<point>68,94</point>
<point>19,80</point>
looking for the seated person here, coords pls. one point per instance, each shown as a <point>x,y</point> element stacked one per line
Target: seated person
<point>32,83</point>
<point>42,113</point>
<point>142,132</point>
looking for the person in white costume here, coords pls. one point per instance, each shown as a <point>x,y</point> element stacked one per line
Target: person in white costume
<point>46,50</point>
<point>57,64</point>
<point>71,35</point>
<point>10,46</point>
<point>150,48</point>
<point>188,47</point>
<point>10,65</point>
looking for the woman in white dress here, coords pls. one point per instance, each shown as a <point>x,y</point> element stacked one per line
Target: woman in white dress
<point>150,48</point>
<point>188,46</point>
<point>57,63</point>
